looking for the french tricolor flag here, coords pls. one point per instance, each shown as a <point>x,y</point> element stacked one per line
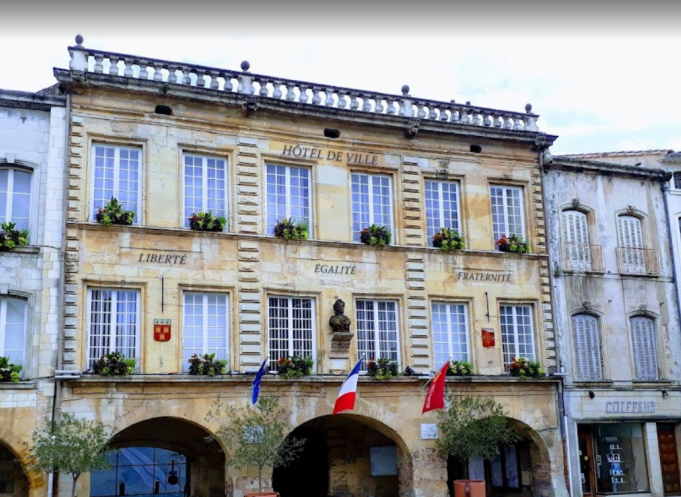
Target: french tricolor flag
<point>348,391</point>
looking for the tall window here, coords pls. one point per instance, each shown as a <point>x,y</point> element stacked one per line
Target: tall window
<point>15,197</point>
<point>576,239</point>
<point>587,347</point>
<point>117,173</point>
<point>442,206</point>
<point>205,186</point>
<point>507,211</point>
<point>450,332</point>
<point>371,202</point>
<point>676,180</point>
<point>631,239</point>
<point>377,332</point>
<point>114,323</point>
<point>517,334</point>
<point>13,319</point>
<point>206,326</point>
<point>288,195</point>
<point>645,351</point>
<point>291,328</point>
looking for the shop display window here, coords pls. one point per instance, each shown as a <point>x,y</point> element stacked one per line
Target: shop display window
<point>620,458</point>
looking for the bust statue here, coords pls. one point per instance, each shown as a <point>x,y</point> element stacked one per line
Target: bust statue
<point>339,323</point>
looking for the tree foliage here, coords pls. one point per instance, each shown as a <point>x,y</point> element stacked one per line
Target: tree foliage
<point>72,445</point>
<point>255,435</point>
<point>473,426</point>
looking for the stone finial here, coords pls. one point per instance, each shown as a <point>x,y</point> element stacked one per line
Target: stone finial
<point>452,101</point>
<point>79,40</point>
<point>245,65</point>
<point>528,108</point>
<point>468,102</point>
<point>405,90</point>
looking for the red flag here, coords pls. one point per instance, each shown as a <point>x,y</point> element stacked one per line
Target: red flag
<point>435,399</point>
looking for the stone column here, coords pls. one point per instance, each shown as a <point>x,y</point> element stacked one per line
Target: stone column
<point>429,474</point>
<point>653,460</point>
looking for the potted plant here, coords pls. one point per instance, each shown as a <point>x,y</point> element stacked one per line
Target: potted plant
<point>524,367</point>
<point>113,364</point>
<point>9,371</point>
<point>289,229</point>
<point>206,364</point>
<point>113,213</point>
<point>513,243</point>
<point>375,235</point>
<point>206,221</point>
<point>448,239</point>
<point>382,369</point>
<point>471,427</point>
<point>255,436</point>
<point>460,368</point>
<point>294,367</point>
<point>10,237</point>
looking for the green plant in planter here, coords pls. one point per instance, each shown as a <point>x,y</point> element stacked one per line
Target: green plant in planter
<point>206,221</point>
<point>382,369</point>
<point>9,371</point>
<point>375,235</point>
<point>473,426</point>
<point>448,239</point>
<point>289,229</point>
<point>113,364</point>
<point>10,237</point>
<point>206,364</point>
<point>513,243</point>
<point>460,368</point>
<point>294,367</point>
<point>524,368</point>
<point>113,213</point>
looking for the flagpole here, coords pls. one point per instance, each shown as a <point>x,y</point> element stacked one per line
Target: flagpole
<point>433,376</point>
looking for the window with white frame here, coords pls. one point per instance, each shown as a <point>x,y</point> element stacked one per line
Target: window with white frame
<point>15,197</point>
<point>676,180</point>
<point>288,195</point>
<point>291,328</point>
<point>117,172</point>
<point>377,330</point>
<point>576,240</point>
<point>587,347</point>
<point>442,206</point>
<point>632,253</point>
<point>206,326</point>
<point>371,202</point>
<point>13,323</point>
<point>450,332</point>
<point>645,351</point>
<point>517,333</point>
<point>507,211</point>
<point>113,323</point>
<point>205,186</point>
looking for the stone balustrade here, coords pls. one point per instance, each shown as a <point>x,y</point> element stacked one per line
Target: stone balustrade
<point>300,92</point>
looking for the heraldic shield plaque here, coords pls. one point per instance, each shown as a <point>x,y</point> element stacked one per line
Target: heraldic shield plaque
<point>162,330</point>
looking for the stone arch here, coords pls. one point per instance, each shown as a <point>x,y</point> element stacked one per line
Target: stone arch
<point>34,479</point>
<point>540,456</point>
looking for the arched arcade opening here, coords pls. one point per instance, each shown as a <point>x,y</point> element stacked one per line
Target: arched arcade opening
<point>13,481</point>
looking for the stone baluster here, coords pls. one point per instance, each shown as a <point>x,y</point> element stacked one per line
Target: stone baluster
<point>477,118</point>
<point>406,107</point>
<point>420,110</point>
<point>143,74</point>
<point>113,68</point>
<point>99,66</point>
<point>392,106</point>
<point>186,75</point>
<point>290,92</point>
<point>378,108</point>
<point>128,72</point>
<point>498,121</point>
<point>245,80</point>
<point>366,102</point>
<point>530,120</point>
<point>316,97</point>
<point>518,125</point>
<point>79,58</point>
<point>354,103</point>
<point>172,74</point>
<point>276,86</point>
<point>508,122</point>
<point>456,114</point>
<point>432,113</point>
<point>341,99</point>
<point>329,102</point>
<point>214,82</point>
<point>201,78</point>
<point>231,83</point>
<point>487,119</point>
<point>303,94</point>
<point>465,116</point>
<point>158,71</point>
<point>443,113</point>
<point>264,91</point>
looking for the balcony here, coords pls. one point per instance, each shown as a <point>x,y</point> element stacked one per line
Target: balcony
<point>632,260</point>
<point>583,258</point>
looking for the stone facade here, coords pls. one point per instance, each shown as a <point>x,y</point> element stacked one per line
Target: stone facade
<point>32,146</point>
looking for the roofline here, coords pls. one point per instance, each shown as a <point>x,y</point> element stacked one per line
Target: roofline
<point>30,100</point>
<point>567,163</point>
<point>658,151</point>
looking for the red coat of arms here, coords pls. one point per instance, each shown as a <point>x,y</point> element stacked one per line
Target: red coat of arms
<point>162,330</point>
<point>487,337</point>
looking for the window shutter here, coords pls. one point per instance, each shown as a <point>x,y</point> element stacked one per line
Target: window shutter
<point>630,229</point>
<point>645,353</point>
<point>576,234</point>
<point>587,348</point>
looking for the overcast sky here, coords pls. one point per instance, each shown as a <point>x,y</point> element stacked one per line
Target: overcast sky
<point>604,75</point>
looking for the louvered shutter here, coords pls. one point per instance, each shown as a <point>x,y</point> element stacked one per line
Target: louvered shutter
<point>631,238</point>
<point>645,353</point>
<point>576,236</point>
<point>587,347</point>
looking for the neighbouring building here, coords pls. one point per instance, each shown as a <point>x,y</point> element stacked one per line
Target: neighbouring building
<point>171,139</point>
<point>617,321</point>
<point>32,165</point>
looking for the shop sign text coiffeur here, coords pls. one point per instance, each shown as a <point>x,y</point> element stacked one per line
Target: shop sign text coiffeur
<point>301,152</point>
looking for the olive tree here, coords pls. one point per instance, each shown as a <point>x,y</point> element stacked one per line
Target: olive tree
<point>255,435</point>
<point>70,445</point>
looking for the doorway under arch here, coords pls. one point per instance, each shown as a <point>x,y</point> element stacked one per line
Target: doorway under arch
<point>13,481</point>
<point>344,455</point>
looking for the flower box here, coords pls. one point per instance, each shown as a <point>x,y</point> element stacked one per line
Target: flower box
<point>113,364</point>
<point>513,243</point>
<point>10,237</point>
<point>289,229</point>
<point>448,239</point>
<point>460,368</point>
<point>206,364</point>
<point>205,221</point>
<point>523,367</point>
<point>375,235</point>
<point>294,367</point>
<point>9,371</point>
<point>113,213</point>
<point>382,369</point>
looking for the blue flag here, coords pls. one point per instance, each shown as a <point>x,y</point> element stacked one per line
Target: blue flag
<point>256,381</point>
